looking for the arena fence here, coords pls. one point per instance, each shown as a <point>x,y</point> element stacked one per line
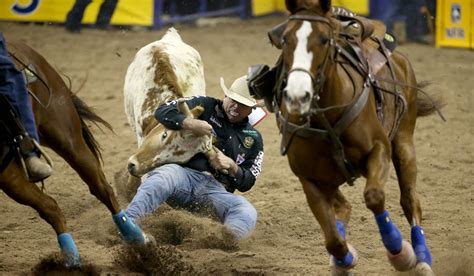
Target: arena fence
<point>202,9</point>
<point>152,13</point>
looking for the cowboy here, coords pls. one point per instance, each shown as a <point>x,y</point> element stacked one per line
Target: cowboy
<point>14,92</point>
<point>201,182</point>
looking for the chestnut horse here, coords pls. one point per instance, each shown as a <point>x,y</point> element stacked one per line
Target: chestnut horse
<point>61,122</point>
<point>341,119</point>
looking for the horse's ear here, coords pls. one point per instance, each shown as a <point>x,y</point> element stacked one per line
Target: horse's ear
<point>325,5</point>
<point>183,108</point>
<point>291,5</point>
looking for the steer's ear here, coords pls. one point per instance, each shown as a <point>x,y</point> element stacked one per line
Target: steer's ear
<point>197,111</point>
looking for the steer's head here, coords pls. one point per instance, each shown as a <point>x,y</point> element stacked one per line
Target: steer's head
<point>163,146</point>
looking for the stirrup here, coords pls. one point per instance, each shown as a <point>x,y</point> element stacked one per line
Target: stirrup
<point>43,153</point>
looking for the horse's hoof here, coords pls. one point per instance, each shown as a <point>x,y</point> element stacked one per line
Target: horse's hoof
<point>423,269</point>
<point>149,239</point>
<point>346,270</point>
<point>72,261</point>
<point>405,260</point>
<point>339,271</point>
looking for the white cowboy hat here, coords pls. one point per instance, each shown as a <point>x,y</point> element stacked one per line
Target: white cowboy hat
<point>239,91</point>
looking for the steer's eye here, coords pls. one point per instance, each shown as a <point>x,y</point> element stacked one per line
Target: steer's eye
<point>163,137</point>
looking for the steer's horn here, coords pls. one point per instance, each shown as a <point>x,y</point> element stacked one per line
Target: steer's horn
<point>183,107</point>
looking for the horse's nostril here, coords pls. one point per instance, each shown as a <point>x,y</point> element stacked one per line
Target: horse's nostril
<point>131,168</point>
<point>286,96</point>
<point>307,97</point>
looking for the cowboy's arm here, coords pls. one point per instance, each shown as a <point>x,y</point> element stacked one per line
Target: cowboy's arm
<point>169,115</point>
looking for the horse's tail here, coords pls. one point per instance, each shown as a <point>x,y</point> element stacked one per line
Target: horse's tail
<point>87,114</point>
<point>428,104</point>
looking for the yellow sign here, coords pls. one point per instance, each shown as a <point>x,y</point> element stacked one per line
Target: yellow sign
<point>454,23</point>
<point>261,7</point>
<point>361,7</point>
<point>128,12</point>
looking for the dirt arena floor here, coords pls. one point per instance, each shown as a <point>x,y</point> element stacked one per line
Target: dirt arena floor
<point>287,239</point>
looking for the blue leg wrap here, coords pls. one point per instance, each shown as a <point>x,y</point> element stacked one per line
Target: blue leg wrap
<point>419,245</point>
<point>391,237</point>
<point>344,262</point>
<point>341,229</point>
<point>69,250</point>
<point>130,231</point>
<point>349,258</point>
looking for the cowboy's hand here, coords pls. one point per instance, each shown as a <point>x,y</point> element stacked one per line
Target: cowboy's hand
<point>221,162</point>
<point>199,127</point>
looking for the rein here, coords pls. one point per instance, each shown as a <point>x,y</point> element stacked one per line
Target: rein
<point>332,133</point>
<point>348,52</point>
<point>26,67</point>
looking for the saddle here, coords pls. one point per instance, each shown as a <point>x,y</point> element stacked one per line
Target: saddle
<point>7,150</point>
<point>13,137</point>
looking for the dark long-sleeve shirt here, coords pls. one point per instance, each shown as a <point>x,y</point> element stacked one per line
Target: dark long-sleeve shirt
<point>240,142</point>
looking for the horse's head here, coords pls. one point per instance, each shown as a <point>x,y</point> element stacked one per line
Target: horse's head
<point>306,50</point>
<point>162,146</point>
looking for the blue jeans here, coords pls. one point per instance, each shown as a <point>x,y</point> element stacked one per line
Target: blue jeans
<point>192,190</point>
<point>385,11</point>
<point>13,86</point>
<point>389,11</point>
<point>415,22</point>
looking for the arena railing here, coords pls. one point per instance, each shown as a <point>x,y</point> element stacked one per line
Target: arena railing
<point>172,16</point>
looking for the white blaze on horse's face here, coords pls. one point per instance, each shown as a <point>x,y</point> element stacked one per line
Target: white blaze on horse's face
<point>299,88</point>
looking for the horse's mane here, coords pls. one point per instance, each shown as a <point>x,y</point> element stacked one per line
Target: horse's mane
<point>309,5</point>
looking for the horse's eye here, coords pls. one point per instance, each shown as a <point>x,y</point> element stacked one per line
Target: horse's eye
<point>163,137</point>
<point>324,40</point>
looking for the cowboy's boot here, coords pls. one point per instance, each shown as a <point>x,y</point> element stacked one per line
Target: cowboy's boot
<point>37,169</point>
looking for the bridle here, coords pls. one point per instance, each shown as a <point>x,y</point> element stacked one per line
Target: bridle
<point>330,132</point>
<point>319,78</point>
